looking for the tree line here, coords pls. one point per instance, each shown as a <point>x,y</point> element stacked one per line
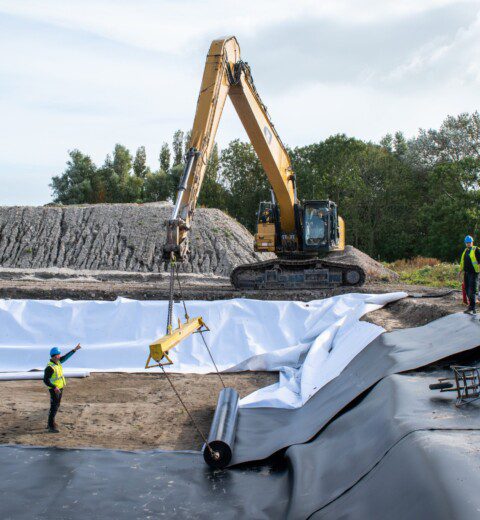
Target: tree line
<point>400,198</point>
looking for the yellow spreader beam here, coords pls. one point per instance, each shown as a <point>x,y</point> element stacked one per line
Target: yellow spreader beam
<point>159,349</point>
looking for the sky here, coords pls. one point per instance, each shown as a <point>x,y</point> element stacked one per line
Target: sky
<point>88,74</point>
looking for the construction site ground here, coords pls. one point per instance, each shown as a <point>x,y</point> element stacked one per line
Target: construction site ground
<point>140,411</point>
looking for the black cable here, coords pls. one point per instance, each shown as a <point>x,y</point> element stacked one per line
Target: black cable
<point>188,412</point>
<point>211,357</point>
<point>201,332</point>
<point>432,295</point>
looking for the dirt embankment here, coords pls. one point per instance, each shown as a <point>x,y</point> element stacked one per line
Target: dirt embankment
<point>130,238</point>
<point>119,237</point>
<point>374,271</point>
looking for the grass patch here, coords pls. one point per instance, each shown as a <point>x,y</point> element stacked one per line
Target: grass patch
<point>427,271</point>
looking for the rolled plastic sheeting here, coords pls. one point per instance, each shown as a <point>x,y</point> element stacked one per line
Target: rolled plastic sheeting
<point>15,376</point>
<point>221,438</point>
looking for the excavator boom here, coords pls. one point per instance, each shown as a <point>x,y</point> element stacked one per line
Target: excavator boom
<point>226,75</point>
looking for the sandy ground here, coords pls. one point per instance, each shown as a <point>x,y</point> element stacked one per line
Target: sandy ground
<point>128,411</point>
<point>141,411</point>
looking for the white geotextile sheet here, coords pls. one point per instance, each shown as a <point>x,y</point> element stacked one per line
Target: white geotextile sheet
<point>308,343</point>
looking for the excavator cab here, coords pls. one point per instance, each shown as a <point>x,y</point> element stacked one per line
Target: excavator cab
<point>319,229</point>
<point>322,227</point>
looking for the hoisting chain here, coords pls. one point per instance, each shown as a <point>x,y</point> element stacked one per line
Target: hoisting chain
<point>170,296</point>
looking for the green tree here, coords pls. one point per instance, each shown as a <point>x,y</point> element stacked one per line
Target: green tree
<point>372,187</point>
<point>156,187</point>
<point>213,194</point>
<point>79,183</point>
<point>245,180</point>
<point>140,168</point>
<point>177,146</point>
<point>119,185</point>
<point>451,208</point>
<point>164,157</point>
<point>400,146</point>
<point>457,138</point>
<point>387,142</point>
<point>122,162</point>
<point>174,175</point>
<point>186,141</point>
<point>110,181</point>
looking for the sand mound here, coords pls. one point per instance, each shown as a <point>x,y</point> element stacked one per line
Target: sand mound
<point>374,270</point>
<point>121,237</point>
<point>130,237</point>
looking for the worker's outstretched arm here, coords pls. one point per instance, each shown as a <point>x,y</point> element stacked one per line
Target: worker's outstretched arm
<point>70,354</point>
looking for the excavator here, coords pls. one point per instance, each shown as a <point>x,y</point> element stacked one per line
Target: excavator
<point>300,233</point>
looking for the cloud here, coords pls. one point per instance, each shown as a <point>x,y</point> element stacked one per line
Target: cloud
<point>453,60</point>
<point>90,74</point>
<point>171,25</point>
<point>339,51</point>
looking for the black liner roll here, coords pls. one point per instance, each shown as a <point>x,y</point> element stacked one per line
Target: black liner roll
<point>222,432</point>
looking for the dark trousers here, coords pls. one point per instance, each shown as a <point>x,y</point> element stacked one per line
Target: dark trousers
<point>54,406</point>
<point>471,281</point>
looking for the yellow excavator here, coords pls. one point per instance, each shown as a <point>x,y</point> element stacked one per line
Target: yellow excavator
<point>300,233</point>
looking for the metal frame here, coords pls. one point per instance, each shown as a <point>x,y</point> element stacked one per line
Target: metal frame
<point>159,349</point>
<point>465,381</point>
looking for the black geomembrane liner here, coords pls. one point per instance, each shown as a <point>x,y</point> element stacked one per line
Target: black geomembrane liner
<point>398,451</point>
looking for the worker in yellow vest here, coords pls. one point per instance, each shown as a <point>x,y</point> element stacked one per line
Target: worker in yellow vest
<point>53,377</point>
<point>469,265</point>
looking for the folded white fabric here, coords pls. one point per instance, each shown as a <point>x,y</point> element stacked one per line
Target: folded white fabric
<point>309,343</point>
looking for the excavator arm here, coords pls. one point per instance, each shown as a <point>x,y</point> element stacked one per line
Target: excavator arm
<point>225,74</point>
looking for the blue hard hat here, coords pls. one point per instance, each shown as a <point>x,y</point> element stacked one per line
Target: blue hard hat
<point>54,351</point>
<point>468,238</point>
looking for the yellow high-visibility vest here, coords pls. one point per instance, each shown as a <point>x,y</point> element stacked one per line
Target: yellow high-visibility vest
<point>57,378</point>
<point>473,258</point>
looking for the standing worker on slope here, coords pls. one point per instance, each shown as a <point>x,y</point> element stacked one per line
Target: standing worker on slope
<point>469,265</point>
<point>54,379</point>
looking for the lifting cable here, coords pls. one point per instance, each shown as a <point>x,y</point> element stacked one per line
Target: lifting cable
<point>200,331</point>
<point>173,271</point>
<point>202,435</point>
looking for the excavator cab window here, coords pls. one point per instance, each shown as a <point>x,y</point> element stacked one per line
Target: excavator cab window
<point>266,213</point>
<point>316,225</point>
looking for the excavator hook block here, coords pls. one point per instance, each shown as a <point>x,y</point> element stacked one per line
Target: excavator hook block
<point>159,349</point>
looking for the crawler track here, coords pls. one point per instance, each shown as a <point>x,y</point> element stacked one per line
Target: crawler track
<point>297,274</point>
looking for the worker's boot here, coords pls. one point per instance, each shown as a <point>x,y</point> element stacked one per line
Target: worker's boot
<point>52,429</point>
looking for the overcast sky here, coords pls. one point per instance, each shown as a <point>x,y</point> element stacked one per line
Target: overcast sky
<point>91,73</point>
